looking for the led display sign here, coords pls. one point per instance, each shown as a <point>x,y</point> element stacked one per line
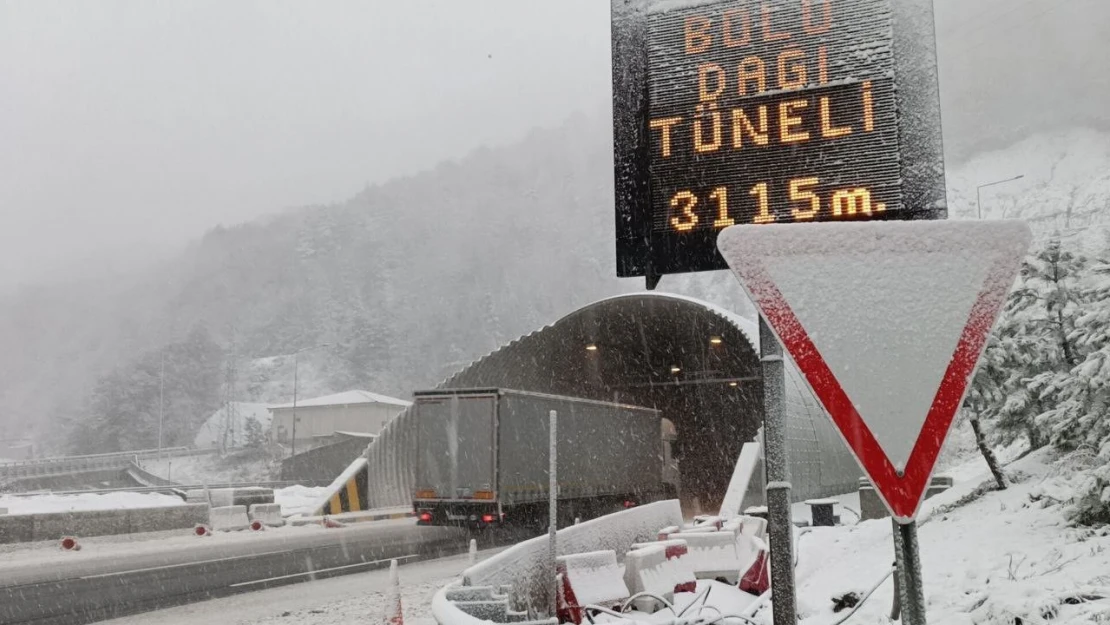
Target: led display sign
<point>774,111</point>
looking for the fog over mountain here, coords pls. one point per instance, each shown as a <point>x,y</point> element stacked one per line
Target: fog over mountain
<point>411,193</point>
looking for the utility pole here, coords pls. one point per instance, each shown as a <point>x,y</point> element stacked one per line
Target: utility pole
<point>296,355</point>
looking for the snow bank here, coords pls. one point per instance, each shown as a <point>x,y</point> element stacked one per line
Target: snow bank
<point>521,566</point>
<point>37,504</point>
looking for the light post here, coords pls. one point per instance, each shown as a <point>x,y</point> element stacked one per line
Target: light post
<point>978,189</point>
<point>296,354</point>
<point>161,399</point>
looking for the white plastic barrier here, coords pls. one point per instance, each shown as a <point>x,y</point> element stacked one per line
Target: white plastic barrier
<point>520,566</point>
<point>591,578</point>
<point>268,513</point>
<point>714,555</point>
<point>228,518</point>
<point>754,526</point>
<point>659,568</point>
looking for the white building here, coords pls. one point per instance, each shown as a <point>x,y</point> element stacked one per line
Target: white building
<point>320,418</point>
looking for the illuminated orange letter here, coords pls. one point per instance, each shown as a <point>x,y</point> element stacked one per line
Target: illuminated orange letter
<point>698,39</point>
<point>827,129</point>
<point>768,34</point>
<point>752,68</point>
<point>710,112</point>
<point>794,76</point>
<point>741,124</point>
<point>807,18</point>
<point>665,124</point>
<point>745,28</point>
<point>850,202</point>
<point>704,71</point>
<point>787,122</point>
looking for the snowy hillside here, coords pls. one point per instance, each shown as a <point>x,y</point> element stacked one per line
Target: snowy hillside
<point>1065,188</point>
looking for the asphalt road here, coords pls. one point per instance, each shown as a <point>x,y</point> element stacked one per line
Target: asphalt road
<point>97,589</point>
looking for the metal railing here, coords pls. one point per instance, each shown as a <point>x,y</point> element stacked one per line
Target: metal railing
<point>75,464</point>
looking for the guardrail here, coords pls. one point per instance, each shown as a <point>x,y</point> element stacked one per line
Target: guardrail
<point>75,464</point>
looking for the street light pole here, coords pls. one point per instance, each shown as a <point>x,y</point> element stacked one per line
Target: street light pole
<point>296,355</point>
<point>161,400</point>
<point>979,196</point>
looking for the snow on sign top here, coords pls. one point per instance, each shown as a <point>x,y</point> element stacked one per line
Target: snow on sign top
<point>886,321</point>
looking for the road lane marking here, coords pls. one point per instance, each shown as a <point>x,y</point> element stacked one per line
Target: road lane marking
<point>318,571</point>
<point>179,565</point>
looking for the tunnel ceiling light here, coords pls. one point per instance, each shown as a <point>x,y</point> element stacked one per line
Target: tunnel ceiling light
<point>733,383</point>
<point>715,340</point>
<point>591,347</point>
<point>676,369</point>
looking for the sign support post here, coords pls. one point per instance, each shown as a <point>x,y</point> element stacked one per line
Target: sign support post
<point>912,590</point>
<point>553,509</point>
<point>780,527</point>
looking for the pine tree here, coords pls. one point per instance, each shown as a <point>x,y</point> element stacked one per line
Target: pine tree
<point>1080,417</point>
<point>1040,340</point>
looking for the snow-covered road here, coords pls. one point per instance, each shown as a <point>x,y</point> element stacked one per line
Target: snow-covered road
<point>349,600</point>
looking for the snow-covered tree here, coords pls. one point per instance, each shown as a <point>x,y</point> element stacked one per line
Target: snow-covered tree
<point>1079,416</point>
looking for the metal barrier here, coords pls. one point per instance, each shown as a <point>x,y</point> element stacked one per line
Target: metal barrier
<point>76,464</point>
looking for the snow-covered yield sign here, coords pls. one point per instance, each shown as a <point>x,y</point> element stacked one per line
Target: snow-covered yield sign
<point>886,321</point>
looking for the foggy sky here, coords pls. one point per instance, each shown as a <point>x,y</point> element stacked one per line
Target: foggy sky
<point>127,128</point>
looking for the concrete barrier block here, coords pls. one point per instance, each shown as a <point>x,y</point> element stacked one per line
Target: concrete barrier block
<point>268,513</point>
<point>228,518</point>
<point>167,518</point>
<point>16,528</point>
<point>56,525</point>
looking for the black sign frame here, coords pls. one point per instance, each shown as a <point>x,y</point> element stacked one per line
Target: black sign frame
<point>642,248</point>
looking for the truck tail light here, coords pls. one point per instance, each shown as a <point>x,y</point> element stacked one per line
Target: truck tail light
<point>483,494</point>
<point>487,518</point>
<point>425,494</point>
<point>628,503</point>
<point>425,517</point>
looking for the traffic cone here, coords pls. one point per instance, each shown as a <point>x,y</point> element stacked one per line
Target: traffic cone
<point>330,523</point>
<point>257,525</point>
<point>202,530</point>
<point>69,543</point>
<point>395,614</point>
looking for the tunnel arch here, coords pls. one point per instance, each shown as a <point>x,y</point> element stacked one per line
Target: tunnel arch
<point>695,362</point>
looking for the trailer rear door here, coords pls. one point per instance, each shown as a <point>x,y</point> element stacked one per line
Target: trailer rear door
<point>455,440</point>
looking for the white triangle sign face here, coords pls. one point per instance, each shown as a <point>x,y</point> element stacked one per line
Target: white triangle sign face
<point>886,321</point>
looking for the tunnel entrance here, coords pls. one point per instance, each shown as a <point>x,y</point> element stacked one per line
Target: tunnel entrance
<point>695,365</point>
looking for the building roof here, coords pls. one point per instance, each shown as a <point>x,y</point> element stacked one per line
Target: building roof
<point>347,398</point>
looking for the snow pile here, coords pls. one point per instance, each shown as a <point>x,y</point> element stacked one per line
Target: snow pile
<point>37,504</point>
<point>243,466</point>
<point>298,499</point>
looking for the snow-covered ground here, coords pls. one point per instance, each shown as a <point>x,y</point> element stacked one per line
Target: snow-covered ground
<point>997,558</point>
<point>35,504</point>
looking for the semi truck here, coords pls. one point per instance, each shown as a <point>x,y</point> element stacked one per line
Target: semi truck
<point>483,457</point>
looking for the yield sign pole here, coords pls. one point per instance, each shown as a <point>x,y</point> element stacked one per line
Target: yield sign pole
<point>886,322</point>
<point>780,527</point>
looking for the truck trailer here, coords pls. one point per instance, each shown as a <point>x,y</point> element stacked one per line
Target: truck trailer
<point>483,457</point>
